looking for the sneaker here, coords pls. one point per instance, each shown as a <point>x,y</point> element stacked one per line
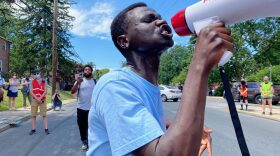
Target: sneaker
<point>47,131</point>
<point>32,132</point>
<point>263,113</point>
<point>270,113</point>
<point>84,147</point>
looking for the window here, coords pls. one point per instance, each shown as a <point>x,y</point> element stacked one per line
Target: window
<point>4,46</point>
<point>161,88</point>
<point>170,87</point>
<point>252,85</point>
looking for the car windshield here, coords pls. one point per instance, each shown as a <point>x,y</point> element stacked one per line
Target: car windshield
<point>170,87</point>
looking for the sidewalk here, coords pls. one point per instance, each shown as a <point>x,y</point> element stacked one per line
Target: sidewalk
<point>255,109</point>
<point>21,115</point>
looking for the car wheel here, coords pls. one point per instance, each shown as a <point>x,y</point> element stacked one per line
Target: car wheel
<point>275,102</point>
<point>175,100</point>
<point>163,98</point>
<point>258,99</point>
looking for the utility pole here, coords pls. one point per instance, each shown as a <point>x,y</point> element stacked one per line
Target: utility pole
<point>270,73</point>
<point>54,47</point>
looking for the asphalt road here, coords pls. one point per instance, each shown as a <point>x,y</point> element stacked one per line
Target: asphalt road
<point>262,135</point>
<point>63,141</point>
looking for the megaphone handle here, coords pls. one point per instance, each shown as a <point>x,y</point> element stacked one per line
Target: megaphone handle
<point>225,58</point>
<point>198,25</point>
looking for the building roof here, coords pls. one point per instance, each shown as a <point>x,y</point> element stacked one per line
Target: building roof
<point>5,39</point>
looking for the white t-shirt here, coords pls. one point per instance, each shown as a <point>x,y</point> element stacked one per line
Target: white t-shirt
<point>14,88</point>
<point>85,93</point>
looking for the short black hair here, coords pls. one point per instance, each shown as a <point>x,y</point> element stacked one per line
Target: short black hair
<point>87,66</point>
<point>118,26</point>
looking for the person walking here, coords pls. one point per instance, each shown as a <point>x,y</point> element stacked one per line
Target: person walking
<point>13,91</point>
<point>266,94</point>
<point>243,93</point>
<point>84,87</point>
<point>38,91</point>
<point>25,90</point>
<point>2,83</point>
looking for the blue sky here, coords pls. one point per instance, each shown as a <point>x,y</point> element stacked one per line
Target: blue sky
<point>91,28</point>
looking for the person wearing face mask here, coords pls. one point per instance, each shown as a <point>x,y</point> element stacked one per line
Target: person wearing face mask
<point>266,94</point>
<point>243,94</point>
<point>84,88</point>
<point>38,92</point>
<point>13,91</point>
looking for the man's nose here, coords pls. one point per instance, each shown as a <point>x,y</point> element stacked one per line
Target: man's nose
<point>160,22</point>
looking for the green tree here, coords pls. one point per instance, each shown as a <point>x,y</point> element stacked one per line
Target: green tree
<point>100,72</point>
<point>262,36</point>
<point>92,64</point>
<point>258,76</point>
<point>172,63</point>
<point>31,36</point>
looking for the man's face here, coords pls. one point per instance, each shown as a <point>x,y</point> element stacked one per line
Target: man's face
<point>147,32</point>
<point>87,70</point>
<point>36,75</point>
<point>265,79</point>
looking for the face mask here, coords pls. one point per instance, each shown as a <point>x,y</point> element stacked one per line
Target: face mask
<point>37,76</point>
<point>14,77</point>
<point>87,75</point>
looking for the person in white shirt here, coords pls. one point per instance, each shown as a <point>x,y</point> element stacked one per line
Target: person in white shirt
<point>13,91</point>
<point>84,87</point>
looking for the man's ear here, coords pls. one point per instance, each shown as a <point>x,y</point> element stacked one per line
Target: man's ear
<point>123,41</point>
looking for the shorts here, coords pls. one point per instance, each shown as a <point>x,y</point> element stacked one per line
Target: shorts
<point>12,94</point>
<point>243,98</point>
<point>34,108</point>
<point>266,98</point>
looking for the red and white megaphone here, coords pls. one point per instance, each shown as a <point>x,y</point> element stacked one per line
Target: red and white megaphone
<point>193,18</point>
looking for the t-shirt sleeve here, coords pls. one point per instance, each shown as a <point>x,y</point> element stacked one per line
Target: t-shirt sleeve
<point>128,122</point>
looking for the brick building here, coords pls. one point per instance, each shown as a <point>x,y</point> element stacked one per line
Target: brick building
<point>4,54</point>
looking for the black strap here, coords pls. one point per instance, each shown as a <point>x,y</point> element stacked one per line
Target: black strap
<point>78,92</point>
<point>234,115</point>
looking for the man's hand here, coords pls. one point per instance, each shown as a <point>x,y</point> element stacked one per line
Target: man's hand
<point>79,81</point>
<point>206,132</point>
<point>211,44</point>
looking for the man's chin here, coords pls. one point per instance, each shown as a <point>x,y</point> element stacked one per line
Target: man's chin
<point>167,44</point>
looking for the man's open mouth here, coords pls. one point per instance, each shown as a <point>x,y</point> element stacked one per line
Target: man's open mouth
<point>166,31</point>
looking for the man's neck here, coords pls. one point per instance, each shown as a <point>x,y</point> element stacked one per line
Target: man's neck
<point>145,66</point>
<point>89,78</point>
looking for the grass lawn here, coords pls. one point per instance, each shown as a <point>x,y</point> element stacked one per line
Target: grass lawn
<point>65,95</point>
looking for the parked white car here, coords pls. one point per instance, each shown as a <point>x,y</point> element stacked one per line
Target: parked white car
<point>169,93</point>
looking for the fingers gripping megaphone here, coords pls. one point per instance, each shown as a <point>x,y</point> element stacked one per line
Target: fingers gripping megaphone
<point>192,19</point>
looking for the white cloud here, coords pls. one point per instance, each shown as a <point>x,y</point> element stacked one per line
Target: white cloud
<point>93,22</point>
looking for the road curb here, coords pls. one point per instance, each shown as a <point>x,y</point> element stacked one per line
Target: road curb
<point>259,115</point>
<point>25,118</point>
<point>215,97</point>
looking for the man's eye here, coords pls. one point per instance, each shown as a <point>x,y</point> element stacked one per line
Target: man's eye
<point>149,18</point>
